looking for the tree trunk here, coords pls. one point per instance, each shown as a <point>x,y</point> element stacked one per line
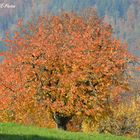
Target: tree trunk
<point>61,121</point>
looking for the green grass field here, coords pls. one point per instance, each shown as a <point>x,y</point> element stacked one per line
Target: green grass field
<point>19,132</point>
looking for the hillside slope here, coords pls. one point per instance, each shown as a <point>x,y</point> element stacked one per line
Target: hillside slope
<point>18,132</point>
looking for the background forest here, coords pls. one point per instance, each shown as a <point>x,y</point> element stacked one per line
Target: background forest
<point>123,15</point>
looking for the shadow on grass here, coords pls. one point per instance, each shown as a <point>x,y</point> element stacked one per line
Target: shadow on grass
<point>25,137</point>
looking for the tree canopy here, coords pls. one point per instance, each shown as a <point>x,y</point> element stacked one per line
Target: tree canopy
<point>68,63</point>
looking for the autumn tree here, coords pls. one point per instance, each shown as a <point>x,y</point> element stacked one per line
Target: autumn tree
<point>68,63</point>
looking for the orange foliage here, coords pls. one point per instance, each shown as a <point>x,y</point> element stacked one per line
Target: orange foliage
<point>67,63</point>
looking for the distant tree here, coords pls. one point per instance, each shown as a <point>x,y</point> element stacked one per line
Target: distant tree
<point>68,63</point>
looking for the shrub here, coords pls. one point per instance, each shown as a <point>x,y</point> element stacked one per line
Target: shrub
<point>125,120</point>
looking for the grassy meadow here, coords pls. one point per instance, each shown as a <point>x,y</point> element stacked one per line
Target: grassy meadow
<point>10,131</point>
